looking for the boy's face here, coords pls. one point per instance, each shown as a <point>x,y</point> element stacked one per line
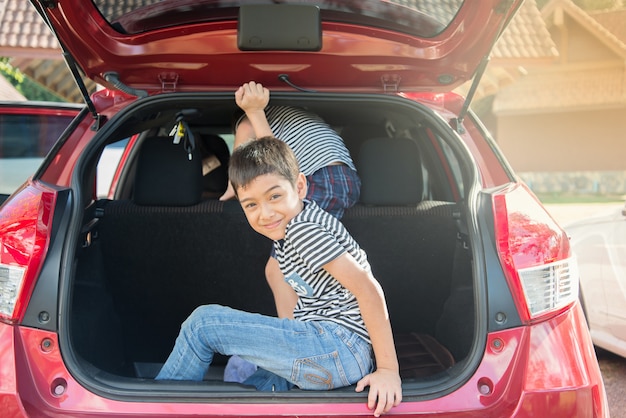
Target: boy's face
<point>270,201</point>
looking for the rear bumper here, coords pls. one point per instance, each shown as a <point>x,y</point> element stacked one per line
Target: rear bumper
<point>10,402</point>
<point>547,369</point>
<point>562,376</point>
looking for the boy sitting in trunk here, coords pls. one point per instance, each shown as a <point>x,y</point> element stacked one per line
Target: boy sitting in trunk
<point>332,179</point>
<point>340,321</point>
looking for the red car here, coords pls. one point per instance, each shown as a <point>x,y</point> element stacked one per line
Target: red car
<point>28,130</point>
<point>480,281</point>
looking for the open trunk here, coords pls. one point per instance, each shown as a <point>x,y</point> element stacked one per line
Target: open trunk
<point>160,246</point>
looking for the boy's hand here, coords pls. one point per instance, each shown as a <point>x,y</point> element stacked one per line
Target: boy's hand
<point>385,390</point>
<point>252,97</point>
<point>229,193</point>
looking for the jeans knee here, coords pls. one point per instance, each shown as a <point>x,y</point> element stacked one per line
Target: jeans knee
<point>200,315</point>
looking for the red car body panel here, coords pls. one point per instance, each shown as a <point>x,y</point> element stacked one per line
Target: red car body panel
<point>205,56</point>
<point>21,109</point>
<point>517,377</point>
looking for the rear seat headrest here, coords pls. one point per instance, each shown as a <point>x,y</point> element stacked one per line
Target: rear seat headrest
<point>166,176</point>
<point>390,171</point>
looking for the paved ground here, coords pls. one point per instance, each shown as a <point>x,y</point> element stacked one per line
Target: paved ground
<point>567,213</point>
<point>613,367</point>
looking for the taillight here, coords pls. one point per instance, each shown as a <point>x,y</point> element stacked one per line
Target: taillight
<point>25,221</point>
<point>535,253</point>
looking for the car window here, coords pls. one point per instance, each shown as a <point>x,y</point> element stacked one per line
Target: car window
<point>107,166</point>
<point>25,139</point>
<point>447,170</point>
<point>229,138</point>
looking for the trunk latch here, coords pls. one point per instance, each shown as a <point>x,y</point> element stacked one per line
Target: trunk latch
<point>391,83</point>
<point>169,81</point>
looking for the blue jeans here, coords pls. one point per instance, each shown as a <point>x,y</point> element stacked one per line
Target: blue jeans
<point>313,355</point>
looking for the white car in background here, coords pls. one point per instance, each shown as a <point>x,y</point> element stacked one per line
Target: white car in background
<point>600,245</point>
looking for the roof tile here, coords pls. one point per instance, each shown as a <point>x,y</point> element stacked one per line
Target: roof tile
<point>526,36</point>
<point>22,27</point>
<point>605,33</point>
<point>563,89</point>
<point>613,21</point>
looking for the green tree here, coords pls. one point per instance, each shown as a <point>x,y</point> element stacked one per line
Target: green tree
<point>28,87</point>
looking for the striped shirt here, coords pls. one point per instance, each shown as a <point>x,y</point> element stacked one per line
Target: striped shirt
<point>313,141</point>
<point>313,238</point>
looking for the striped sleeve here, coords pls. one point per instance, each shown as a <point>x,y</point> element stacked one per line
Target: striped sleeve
<point>315,244</point>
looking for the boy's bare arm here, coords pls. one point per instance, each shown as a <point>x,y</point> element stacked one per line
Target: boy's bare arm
<point>285,297</point>
<point>385,384</point>
<point>252,98</point>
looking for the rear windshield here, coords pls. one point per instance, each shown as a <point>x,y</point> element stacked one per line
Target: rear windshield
<point>423,18</point>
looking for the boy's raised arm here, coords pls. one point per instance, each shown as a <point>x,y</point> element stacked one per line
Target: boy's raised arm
<point>253,98</point>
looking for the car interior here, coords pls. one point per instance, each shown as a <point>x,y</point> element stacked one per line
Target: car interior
<point>164,244</point>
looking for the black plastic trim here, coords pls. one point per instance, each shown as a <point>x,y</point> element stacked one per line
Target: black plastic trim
<point>42,311</point>
<point>502,311</point>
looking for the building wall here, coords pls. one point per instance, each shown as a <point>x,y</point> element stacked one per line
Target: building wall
<point>589,140</point>
<point>563,128</point>
<point>576,152</point>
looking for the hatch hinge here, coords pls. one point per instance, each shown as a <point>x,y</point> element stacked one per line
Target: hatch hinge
<point>169,82</point>
<point>391,83</point>
<point>99,120</point>
<point>114,78</point>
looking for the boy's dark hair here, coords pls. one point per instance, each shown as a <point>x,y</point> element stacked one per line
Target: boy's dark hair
<point>267,155</point>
